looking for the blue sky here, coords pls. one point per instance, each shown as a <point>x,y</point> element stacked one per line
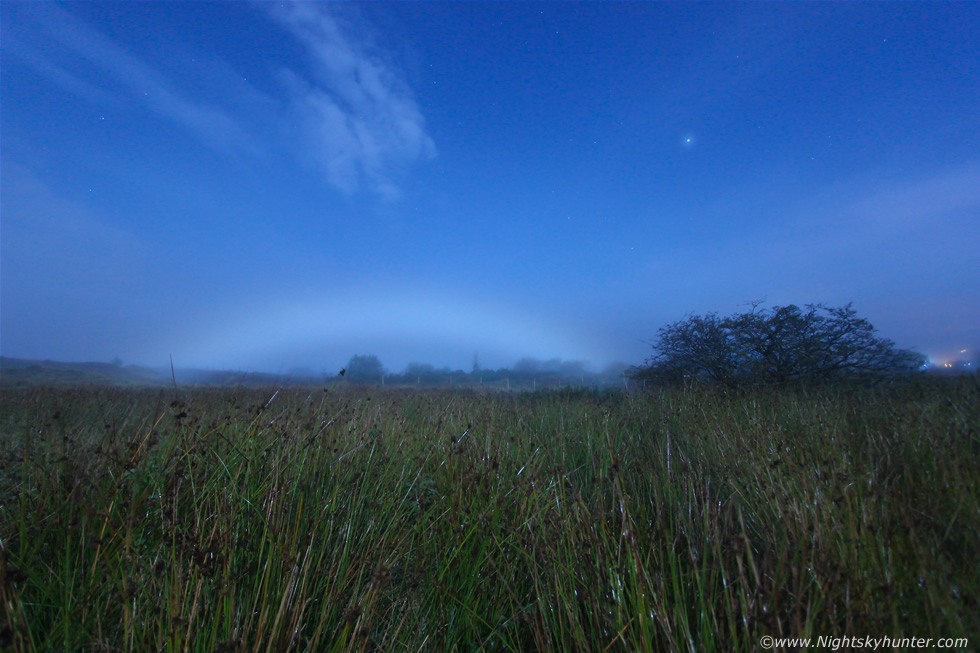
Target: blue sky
<point>269,185</point>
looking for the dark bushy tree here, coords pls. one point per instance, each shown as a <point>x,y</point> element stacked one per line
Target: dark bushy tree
<point>365,369</point>
<point>777,345</point>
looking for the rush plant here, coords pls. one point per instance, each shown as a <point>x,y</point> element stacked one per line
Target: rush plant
<point>682,519</point>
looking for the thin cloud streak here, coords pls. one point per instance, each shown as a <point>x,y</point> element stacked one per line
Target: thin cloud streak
<point>357,116</point>
<point>912,204</point>
<point>874,228</point>
<point>210,124</point>
<point>868,211</point>
<point>55,72</point>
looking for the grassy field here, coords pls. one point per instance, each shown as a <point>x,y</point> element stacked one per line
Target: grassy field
<point>340,520</point>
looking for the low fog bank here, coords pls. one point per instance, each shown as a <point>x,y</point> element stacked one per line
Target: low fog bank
<point>362,369</point>
<point>532,372</point>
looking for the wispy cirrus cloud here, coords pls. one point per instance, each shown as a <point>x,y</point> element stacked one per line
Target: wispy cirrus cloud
<point>70,42</point>
<point>356,114</point>
<point>349,111</point>
<point>57,73</point>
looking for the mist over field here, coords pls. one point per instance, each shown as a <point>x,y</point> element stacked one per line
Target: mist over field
<point>489,326</point>
<point>266,187</point>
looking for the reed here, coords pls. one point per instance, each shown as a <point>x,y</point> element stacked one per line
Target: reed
<point>395,519</point>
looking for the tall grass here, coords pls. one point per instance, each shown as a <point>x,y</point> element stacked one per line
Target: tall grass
<point>243,520</point>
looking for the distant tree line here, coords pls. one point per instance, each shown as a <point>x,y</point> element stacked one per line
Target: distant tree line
<point>527,373</point>
<point>776,345</point>
<point>761,346</point>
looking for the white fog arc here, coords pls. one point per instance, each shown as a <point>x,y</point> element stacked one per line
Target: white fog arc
<point>320,330</point>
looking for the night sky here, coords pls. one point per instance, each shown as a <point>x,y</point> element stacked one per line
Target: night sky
<point>261,186</point>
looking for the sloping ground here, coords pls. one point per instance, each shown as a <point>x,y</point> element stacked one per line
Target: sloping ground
<point>16,371</point>
<point>22,372</point>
